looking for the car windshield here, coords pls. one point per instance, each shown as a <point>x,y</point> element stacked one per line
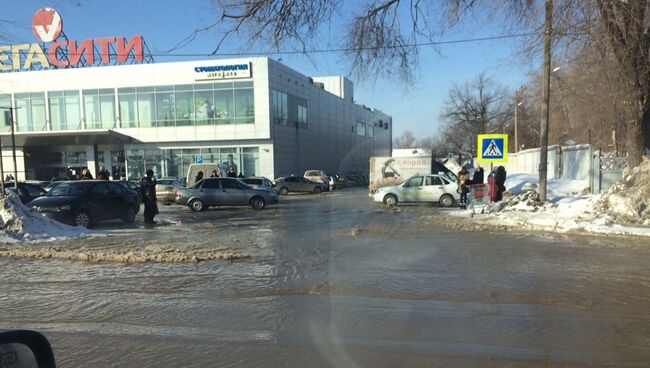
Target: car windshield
<point>70,189</point>
<point>166,181</point>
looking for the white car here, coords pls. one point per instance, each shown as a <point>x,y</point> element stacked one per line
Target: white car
<point>420,188</point>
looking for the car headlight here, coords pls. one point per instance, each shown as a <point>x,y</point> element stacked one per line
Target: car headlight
<point>63,208</point>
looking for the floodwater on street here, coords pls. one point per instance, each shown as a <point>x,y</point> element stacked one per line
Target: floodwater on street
<point>338,281</point>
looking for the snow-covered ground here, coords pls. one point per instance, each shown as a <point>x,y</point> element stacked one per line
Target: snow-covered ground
<point>569,208</point>
<point>20,224</point>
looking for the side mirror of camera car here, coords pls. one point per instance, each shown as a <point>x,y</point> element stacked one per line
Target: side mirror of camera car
<point>25,349</point>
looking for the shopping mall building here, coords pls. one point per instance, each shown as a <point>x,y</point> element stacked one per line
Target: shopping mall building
<point>255,113</point>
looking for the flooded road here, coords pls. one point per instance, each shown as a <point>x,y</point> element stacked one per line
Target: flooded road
<point>338,281</point>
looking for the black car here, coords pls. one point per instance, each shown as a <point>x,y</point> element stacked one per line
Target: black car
<point>134,186</point>
<point>26,191</point>
<point>87,202</point>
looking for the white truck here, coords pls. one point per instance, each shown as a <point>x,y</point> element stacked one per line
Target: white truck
<point>385,171</point>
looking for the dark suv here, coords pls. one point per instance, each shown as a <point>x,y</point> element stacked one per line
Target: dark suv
<point>87,202</point>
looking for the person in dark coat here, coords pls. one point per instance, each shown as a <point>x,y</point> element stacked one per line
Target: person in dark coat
<point>103,174</point>
<point>232,173</point>
<point>500,181</point>
<point>198,177</point>
<point>492,186</point>
<point>86,175</point>
<point>478,176</point>
<point>148,189</point>
<point>463,188</point>
<point>214,174</point>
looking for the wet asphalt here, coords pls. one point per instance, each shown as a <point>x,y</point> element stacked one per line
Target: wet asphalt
<point>336,280</point>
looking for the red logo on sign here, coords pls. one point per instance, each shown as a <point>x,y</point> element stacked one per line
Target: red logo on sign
<point>46,24</point>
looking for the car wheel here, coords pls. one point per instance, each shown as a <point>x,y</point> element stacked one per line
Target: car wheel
<point>317,190</point>
<point>447,200</point>
<point>82,218</point>
<point>257,203</point>
<point>129,216</point>
<point>196,205</point>
<point>390,200</point>
<point>284,191</point>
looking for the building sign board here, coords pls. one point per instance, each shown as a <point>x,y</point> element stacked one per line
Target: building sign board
<point>230,71</point>
<point>56,51</point>
<point>492,148</point>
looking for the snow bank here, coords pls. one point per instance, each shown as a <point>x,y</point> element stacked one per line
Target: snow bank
<point>515,183</point>
<point>628,201</point>
<point>20,223</point>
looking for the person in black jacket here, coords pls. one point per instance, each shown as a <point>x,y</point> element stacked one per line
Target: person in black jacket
<point>148,189</point>
<point>500,181</point>
<point>478,176</point>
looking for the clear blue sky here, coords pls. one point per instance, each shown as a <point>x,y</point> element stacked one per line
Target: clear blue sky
<point>163,23</point>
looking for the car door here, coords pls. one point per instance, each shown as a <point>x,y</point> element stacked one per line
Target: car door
<point>117,197</point>
<point>306,185</point>
<point>210,192</point>
<point>432,190</point>
<point>291,183</point>
<point>410,189</point>
<point>100,206</point>
<point>233,192</point>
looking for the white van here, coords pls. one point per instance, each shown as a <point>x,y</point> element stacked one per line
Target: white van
<point>207,169</point>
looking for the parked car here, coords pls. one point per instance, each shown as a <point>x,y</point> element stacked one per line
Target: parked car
<point>317,176</point>
<point>297,184</point>
<point>420,188</point>
<point>132,185</point>
<point>52,184</point>
<point>27,192</point>
<point>166,189</point>
<point>88,202</point>
<point>224,192</point>
<point>258,182</point>
<point>39,183</point>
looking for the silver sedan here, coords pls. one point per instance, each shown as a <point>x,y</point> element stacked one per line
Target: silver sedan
<point>224,192</point>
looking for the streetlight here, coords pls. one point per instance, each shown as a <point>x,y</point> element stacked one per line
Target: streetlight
<point>516,134</point>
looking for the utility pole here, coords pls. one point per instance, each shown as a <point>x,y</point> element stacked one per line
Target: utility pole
<point>546,86</point>
<point>516,124</point>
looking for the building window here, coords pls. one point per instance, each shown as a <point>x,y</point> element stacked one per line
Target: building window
<point>128,107</point>
<point>5,113</point>
<point>164,96</point>
<point>371,132</point>
<point>244,106</point>
<point>29,114</point>
<point>64,110</point>
<point>99,108</point>
<point>279,107</point>
<point>302,112</point>
<point>361,129</point>
<point>224,106</point>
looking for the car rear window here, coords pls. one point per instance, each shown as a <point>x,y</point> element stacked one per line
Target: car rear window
<point>253,181</point>
<point>70,189</point>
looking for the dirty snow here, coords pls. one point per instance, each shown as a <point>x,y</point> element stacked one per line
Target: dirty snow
<point>20,223</point>
<point>619,211</point>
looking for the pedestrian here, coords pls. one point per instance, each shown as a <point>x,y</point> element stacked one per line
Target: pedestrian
<point>148,190</point>
<point>463,188</point>
<point>232,173</point>
<point>492,186</point>
<point>478,176</point>
<point>214,174</point>
<point>103,175</point>
<point>86,175</point>
<point>500,181</point>
<point>241,176</point>
<point>198,177</point>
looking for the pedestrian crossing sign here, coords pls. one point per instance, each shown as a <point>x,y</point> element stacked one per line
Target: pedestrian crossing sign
<point>492,148</point>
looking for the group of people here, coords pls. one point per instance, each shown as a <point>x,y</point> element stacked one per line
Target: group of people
<point>85,174</point>
<point>496,183</point>
<point>215,174</point>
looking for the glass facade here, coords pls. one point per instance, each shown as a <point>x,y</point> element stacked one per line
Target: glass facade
<point>30,112</point>
<point>187,105</point>
<point>5,103</point>
<point>279,107</point>
<point>65,110</point>
<point>99,108</point>
<point>175,162</point>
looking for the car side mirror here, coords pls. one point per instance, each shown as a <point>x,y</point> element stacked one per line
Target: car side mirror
<point>25,349</point>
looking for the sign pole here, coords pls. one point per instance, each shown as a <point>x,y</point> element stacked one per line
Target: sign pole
<point>13,148</point>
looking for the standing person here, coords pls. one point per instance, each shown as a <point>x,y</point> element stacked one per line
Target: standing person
<point>198,177</point>
<point>232,173</point>
<point>500,181</point>
<point>478,176</point>
<point>241,176</point>
<point>463,189</point>
<point>86,175</point>
<point>103,175</point>
<point>492,186</point>
<point>214,174</point>
<point>148,189</point>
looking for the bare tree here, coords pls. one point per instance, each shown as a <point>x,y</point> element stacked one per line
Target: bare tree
<point>405,140</point>
<point>476,107</point>
<point>385,35</point>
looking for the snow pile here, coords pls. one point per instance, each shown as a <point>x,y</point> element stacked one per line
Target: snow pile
<point>628,201</point>
<point>20,223</point>
<point>515,183</point>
